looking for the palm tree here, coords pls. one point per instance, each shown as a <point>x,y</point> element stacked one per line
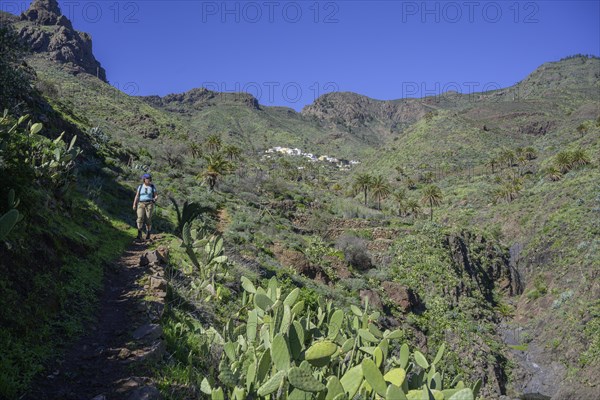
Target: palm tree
<point>232,152</point>
<point>410,183</point>
<point>554,173</point>
<point>414,207</point>
<point>216,167</point>
<point>519,151</point>
<point>427,177</point>
<point>530,153</point>
<point>508,156</point>
<point>579,158</point>
<point>195,150</point>
<point>522,161</point>
<point>509,189</point>
<point>401,172</point>
<point>563,161</point>
<point>492,163</point>
<point>400,197</point>
<point>380,188</point>
<point>362,183</point>
<point>582,129</point>
<point>514,186</point>
<point>431,195</point>
<point>213,143</point>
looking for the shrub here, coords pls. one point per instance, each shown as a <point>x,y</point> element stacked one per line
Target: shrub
<point>355,252</point>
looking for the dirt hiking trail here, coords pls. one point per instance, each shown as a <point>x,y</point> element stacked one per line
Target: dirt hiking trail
<point>112,359</point>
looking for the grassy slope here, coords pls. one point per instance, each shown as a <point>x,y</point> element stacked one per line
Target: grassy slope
<point>50,281</point>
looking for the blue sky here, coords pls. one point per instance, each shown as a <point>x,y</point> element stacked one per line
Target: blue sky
<point>290,52</point>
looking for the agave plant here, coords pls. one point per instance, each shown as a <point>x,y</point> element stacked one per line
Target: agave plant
<point>188,213</point>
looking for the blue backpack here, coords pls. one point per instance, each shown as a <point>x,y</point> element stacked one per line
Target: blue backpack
<point>139,190</point>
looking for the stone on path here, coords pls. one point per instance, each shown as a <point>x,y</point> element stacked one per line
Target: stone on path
<point>149,332</point>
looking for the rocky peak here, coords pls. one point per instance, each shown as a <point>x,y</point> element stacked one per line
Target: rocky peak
<point>58,40</point>
<point>45,12</point>
<point>199,98</point>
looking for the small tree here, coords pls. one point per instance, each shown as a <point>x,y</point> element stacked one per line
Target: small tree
<point>216,167</point>
<point>14,84</point>
<point>400,197</point>
<point>432,195</point>
<point>381,189</point>
<point>355,252</point>
<point>232,152</point>
<point>213,143</point>
<point>362,183</point>
<point>414,208</point>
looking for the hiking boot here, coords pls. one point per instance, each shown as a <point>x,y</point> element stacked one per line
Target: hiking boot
<point>139,236</point>
<point>148,235</point>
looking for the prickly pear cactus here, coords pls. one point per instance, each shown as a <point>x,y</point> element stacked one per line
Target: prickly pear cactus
<point>11,217</point>
<point>286,351</point>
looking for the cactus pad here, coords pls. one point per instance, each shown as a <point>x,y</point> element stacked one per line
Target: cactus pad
<point>304,380</point>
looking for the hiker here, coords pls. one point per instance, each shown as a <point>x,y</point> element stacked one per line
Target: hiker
<point>143,203</point>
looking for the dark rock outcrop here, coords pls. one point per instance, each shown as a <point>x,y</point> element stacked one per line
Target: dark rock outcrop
<point>58,39</point>
<point>402,297</point>
<point>481,262</point>
<point>373,298</point>
<point>199,98</point>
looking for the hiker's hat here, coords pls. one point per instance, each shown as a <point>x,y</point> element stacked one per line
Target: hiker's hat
<point>146,176</point>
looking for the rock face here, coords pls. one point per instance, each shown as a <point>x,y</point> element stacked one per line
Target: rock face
<point>478,260</point>
<point>402,297</point>
<point>357,113</point>
<point>58,39</point>
<point>373,297</point>
<point>200,98</point>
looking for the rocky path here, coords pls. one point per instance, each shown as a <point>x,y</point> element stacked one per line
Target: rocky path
<point>112,360</point>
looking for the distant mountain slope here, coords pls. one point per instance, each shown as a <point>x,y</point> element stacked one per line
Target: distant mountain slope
<point>374,121</point>
<point>240,118</point>
<point>471,129</point>
<point>533,106</point>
